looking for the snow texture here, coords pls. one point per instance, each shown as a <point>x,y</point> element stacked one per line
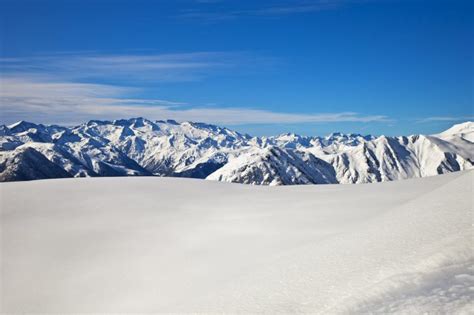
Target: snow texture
<point>147,244</point>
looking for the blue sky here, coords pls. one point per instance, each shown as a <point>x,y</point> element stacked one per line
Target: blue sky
<point>262,67</point>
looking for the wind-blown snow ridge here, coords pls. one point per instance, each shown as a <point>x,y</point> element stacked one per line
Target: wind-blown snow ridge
<point>141,147</point>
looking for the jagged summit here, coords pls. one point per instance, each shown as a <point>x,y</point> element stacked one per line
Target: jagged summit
<point>21,126</point>
<point>139,146</point>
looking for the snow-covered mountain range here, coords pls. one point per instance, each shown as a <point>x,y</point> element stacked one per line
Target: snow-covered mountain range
<point>143,147</point>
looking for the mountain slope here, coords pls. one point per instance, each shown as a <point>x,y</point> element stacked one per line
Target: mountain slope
<point>351,159</point>
<point>393,158</point>
<point>139,146</point>
<point>28,164</point>
<point>275,166</point>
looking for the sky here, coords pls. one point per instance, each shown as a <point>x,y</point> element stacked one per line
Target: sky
<point>393,67</point>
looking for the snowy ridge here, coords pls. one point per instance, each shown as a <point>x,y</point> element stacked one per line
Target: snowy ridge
<point>142,147</point>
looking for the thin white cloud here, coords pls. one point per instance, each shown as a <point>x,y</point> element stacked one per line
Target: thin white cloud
<point>71,103</point>
<point>46,89</point>
<point>313,6</point>
<point>214,12</point>
<point>445,118</point>
<point>151,67</point>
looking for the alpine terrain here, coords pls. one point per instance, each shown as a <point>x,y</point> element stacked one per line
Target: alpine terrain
<point>141,147</point>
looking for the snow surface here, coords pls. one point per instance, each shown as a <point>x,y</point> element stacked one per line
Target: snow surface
<point>147,244</point>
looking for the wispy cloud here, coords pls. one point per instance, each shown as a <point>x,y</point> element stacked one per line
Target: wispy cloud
<point>64,88</point>
<point>445,118</point>
<point>151,67</point>
<point>71,103</point>
<point>215,11</point>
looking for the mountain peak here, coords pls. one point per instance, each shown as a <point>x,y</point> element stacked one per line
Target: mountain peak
<point>20,123</point>
<point>344,135</point>
<point>21,126</point>
<point>288,135</point>
<point>137,146</point>
<point>335,134</point>
<point>136,122</point>
<point>139,122</point>
<point>464,127</point>
<point>95,122</point>
<point>463,131</point>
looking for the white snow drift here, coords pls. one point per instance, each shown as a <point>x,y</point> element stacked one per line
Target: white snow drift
<point>136,245</point>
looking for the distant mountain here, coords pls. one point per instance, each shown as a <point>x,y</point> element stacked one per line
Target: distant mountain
<point>275,165</point>
<point>141,147</point>
<point>28,164</point>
